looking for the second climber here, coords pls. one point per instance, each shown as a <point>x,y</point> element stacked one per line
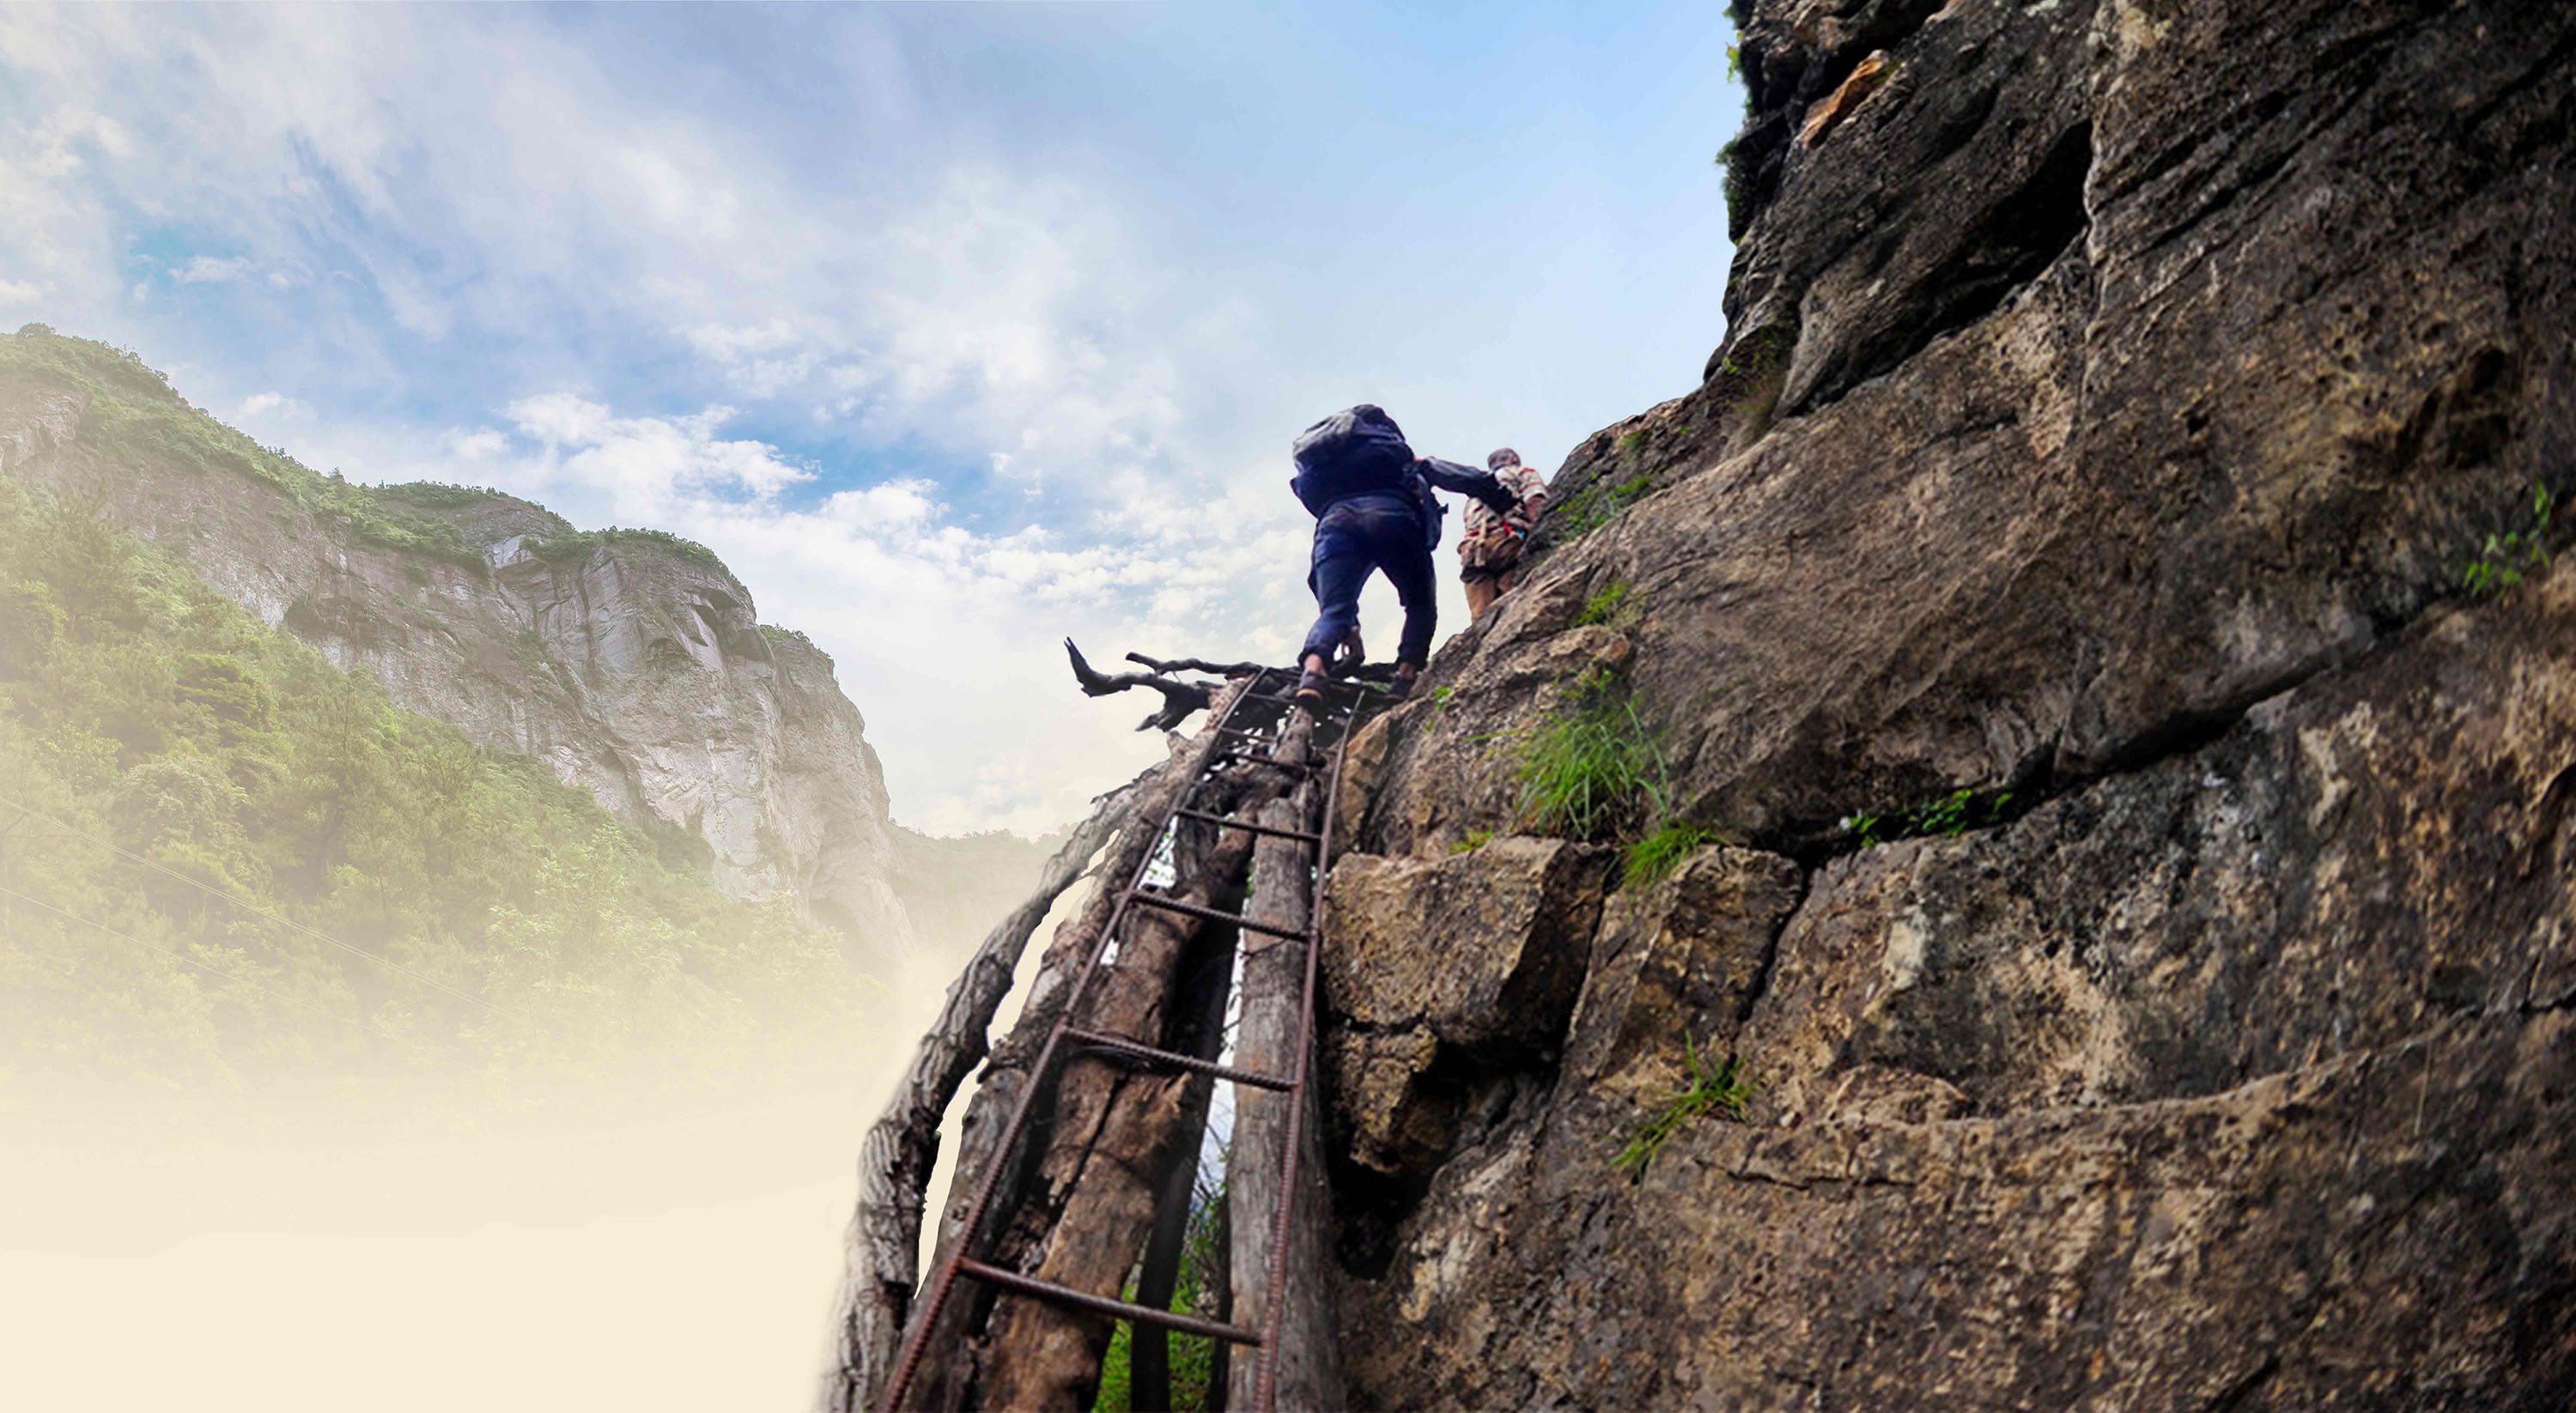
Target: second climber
<point>1489,543</point>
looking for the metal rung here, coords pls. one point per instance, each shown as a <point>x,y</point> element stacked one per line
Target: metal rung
<point>1134,1050</point>
<point>1103,1305</point>
<point>1297,834</point>
<point>1157,900</point>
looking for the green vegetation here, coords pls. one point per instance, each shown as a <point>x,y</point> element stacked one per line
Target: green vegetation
<point>1739,186</point>
<point>1654,857</point>
<point>227,861</point>
<point>1441,697</point>
<point>1945,816</point>
<point>581,544</point>
<point>1611,606</point>
<point>135,419</point>
<point>1594,505</point>
<point>1722,1089</point>
<point>439,495</point>
<point>1193,1358</point>
<point>2506,559</point>
<point>1476,839</point>
<point>1751,375</point>
<point>776,634</point>
<point>1591,769</point>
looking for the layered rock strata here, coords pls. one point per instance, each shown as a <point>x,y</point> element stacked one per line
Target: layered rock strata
<point>2113,398</point>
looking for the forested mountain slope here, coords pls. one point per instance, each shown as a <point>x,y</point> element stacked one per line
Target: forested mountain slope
<point>203,823</point>
<point>630,663</point>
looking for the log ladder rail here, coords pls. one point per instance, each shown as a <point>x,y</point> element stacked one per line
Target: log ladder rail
<point>1064,1037</point>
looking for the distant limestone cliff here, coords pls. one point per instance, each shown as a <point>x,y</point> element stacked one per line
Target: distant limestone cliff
<point>2018,848</point>
<point>631,663</point>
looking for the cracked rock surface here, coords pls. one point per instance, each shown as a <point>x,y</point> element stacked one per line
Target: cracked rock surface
<point>2112,394</point>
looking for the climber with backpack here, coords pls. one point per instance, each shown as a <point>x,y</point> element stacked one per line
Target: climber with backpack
<point>1489,545</point>
<point>1374,511</point>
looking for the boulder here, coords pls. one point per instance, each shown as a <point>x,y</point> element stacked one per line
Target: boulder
<point>1441,968</point>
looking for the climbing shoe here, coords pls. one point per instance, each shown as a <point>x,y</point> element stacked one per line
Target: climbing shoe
<point>1402,686</point>
<point>1310,688</point>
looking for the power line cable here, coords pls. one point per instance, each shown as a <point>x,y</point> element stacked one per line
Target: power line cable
<point>232,976</point>
<point>249,907</point>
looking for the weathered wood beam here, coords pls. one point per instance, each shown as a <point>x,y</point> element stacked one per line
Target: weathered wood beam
<point>946,1379</point>
<point>1116,1133</point>
<point>1274,978</point>
<point>1206,984</point>
<point>882,1253</point>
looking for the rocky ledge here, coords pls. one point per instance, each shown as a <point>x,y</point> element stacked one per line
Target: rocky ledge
<point>2129,966</point>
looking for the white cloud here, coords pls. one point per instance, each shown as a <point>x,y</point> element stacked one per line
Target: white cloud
<point>474,194</point>
<point>484,445</point>
<point>945,636</point>
<point>648,467</point>
<point>896,503</point>
<point>18,292</point>
<point>208,270</point>
<point>263,404</point>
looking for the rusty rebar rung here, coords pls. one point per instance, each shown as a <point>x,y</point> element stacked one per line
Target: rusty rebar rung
<point>1232,823</point>
<point>1126,1310</point>
<point>1157,900</point>
<point>1139,1050</point>
<point>958,1263</point>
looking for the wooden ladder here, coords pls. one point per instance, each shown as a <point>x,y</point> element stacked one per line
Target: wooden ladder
<point>1069,1037</point>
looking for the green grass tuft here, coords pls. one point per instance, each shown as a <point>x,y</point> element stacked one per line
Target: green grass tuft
<point>1612,606</point>
<point>1722,1089</point>
<point>1193,1358</point>
<point>1476,839</point>
<point>1654,857</point>
<point>1591,769</point>
<point>1596,504</point>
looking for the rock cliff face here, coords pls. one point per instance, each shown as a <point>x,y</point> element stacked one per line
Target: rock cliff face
<point>632,663</point>
<point>2114,396</point>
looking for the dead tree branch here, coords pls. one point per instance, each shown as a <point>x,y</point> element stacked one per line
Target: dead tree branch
<point>1179,698</point>
<point>1199,664</point>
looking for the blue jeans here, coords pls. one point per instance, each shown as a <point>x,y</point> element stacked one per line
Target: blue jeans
<point>1355,536</point>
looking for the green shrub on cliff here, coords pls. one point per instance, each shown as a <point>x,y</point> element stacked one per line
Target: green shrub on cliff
<point>1591,770</point>
<point>1598,502</point>
<point>581,544</point>
<point>1654,857</point>
<point>223,860</point>
<point>135,419</point>
<point>2508,557</point>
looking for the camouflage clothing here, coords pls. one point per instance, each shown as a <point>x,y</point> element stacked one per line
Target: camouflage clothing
<point>1491,543</point>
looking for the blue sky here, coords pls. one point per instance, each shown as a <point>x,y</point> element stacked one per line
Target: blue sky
<point>954,328</point>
